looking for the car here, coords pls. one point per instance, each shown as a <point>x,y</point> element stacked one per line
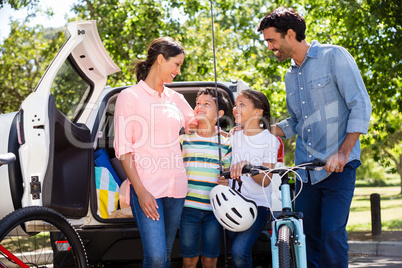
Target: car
<point>56,136</point>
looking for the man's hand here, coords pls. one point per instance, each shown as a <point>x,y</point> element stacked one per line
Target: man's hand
<point>336,162</point>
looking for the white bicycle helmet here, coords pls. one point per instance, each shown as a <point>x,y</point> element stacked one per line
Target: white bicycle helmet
<point>233,211</point>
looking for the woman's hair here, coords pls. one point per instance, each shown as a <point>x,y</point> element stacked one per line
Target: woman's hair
<point>260,101</point>
<point>166,46</point>
<point>283,19</point>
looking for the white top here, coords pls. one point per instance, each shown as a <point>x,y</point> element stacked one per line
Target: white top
<point>257,149</point>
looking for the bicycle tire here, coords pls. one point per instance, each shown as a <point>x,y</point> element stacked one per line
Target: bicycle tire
<point>286,248</point>
<point>29,233</point>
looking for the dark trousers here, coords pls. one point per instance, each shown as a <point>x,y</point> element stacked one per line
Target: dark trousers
<point>325,207</point>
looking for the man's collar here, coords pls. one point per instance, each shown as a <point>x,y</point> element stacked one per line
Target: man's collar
<point>312,52</point>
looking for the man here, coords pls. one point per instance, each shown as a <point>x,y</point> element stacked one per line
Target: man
<point>329,108</point>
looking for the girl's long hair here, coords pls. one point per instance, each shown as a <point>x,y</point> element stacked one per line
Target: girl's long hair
<point>260,101</point>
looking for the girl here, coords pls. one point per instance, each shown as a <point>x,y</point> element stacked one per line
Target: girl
<point>148,119</point>
<point>255,145</point>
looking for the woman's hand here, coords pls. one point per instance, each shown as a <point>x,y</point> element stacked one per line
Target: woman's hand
<point>148,204</point>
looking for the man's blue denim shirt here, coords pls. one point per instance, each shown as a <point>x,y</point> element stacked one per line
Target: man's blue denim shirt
<point>326,98</point>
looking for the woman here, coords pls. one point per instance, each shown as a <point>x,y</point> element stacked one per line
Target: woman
<point>148,119</point>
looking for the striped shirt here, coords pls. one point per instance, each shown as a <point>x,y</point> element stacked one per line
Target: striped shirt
<point>201,161</point>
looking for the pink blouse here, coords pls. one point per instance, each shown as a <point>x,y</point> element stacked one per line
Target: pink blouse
<point>148,126</point>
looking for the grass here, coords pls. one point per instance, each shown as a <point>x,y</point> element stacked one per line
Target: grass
<point>391,209</point>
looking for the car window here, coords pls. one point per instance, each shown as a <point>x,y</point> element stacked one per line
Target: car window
<point>70,91</point>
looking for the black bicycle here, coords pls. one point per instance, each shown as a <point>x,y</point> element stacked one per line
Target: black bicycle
<point>38,236</point>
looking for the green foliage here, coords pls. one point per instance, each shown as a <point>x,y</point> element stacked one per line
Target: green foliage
<point>360,211</point>
<point>18,4</point>
<point>369,29</point>
<point>24,57</point>
<point>127,28</point>
<point>371,172</point>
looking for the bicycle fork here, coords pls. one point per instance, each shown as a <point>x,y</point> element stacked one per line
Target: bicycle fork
<point>297,241</point>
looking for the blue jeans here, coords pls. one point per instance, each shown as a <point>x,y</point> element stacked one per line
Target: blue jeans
<point>199,227</point>
<point>157,237</point>
<point>325,207</point>
<point>243,242</point>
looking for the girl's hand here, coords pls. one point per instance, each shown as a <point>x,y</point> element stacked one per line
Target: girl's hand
<point>223,181</point>
<point>148,204</point>
<point>235,170</point>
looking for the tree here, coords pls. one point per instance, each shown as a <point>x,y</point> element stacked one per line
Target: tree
<point>127,28</point>
<point>369,29</point>
<point>17,4</point>
<point>384,141</point>
<point>24,57</point>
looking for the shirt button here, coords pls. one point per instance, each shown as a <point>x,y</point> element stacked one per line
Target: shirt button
<point>309,155</point>
<point>305,116</point>
<point>301,88</point>
<point>299,73</point>
<point>303,102</point>
<point>309,143</point>
<point>308,130</point>
<point>319,85</point>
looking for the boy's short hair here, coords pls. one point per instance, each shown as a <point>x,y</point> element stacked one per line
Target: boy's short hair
<point>222,101</point>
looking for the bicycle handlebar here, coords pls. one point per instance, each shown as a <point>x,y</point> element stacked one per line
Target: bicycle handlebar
<point>316,165</point>
<point>7,158</point>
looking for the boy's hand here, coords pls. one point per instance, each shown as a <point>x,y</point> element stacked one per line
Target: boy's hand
<point>223,181</point>
<point>236,128</point>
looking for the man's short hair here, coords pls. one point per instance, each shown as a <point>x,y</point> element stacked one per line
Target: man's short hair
<point>283,19</point>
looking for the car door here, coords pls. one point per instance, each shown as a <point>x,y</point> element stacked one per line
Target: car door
<point>55,151</point>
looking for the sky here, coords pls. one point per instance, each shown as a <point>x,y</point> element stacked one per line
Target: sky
<point>60,8</point>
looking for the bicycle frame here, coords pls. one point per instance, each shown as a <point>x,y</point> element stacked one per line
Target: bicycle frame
<point>295,222</point>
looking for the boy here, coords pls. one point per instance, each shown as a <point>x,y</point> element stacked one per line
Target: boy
<point>201,159</point>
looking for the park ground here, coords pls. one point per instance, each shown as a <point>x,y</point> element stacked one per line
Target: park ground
<point>359,224</point>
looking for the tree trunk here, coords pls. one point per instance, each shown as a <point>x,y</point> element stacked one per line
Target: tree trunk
<point>399,165</point>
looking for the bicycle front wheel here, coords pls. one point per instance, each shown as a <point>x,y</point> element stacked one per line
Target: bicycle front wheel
<point>287,258</point>
<point>40,237</point>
